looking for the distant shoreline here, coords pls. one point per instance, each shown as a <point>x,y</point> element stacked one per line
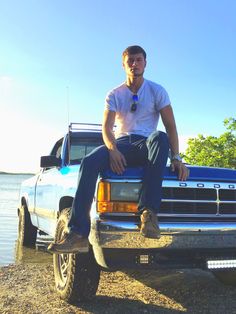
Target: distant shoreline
<point>16,173</point>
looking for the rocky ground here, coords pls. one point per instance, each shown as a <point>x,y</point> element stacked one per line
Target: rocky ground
<point>29,288</point>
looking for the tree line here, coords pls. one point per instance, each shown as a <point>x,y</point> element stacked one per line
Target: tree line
<point>214,151</point>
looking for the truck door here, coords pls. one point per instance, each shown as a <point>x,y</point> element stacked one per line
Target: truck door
<point>47,190</point>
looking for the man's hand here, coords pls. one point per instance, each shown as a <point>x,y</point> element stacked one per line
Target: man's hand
<point>183,171</point>
<point>117,161</point>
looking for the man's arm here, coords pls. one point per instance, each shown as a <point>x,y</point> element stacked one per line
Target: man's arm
<point>169,123</point>
<point>117,159</point>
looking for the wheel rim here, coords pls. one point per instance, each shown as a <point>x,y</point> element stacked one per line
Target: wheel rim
<point>62,260</point>
<point>63,264</point>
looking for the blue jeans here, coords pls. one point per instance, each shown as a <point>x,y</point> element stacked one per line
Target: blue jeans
<point>151,153</point>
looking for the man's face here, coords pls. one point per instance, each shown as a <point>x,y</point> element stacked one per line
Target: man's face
<point>134,64</point>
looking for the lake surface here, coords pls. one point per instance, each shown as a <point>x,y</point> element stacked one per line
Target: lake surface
<point>9,198</point>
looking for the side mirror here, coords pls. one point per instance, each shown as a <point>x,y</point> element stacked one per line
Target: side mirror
<point>50,161</point>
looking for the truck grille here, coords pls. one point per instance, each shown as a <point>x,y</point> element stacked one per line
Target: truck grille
<point>198,198</point>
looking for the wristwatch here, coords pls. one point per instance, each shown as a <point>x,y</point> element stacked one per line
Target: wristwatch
<point>176,157</point>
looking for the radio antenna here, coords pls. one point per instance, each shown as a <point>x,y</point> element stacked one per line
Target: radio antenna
<point>68,104</point>
<point>68,120</point>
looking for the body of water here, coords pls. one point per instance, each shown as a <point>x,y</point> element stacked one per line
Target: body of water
<point>9,198</point>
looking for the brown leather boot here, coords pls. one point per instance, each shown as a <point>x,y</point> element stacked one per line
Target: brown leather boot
<point>72,243</point>
<point>149,225</point>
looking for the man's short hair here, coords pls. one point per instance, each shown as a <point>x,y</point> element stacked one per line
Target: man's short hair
<point>134,50</point>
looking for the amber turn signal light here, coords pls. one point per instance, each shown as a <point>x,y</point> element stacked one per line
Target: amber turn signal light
<point>105,205</point>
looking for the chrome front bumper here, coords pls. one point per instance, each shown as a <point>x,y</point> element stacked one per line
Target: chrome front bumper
<point>200,235</point>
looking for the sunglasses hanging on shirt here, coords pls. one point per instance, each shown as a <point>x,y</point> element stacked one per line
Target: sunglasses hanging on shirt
<point>133,106</point>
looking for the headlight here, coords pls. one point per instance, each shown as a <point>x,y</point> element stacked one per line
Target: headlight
<point>125,191</point>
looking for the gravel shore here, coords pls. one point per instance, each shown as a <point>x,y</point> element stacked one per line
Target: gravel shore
<point>29,288</point>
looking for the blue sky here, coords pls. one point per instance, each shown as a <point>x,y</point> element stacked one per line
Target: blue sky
<point>54,53</point>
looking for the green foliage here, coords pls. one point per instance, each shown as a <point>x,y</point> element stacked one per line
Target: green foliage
<point>214,151</point>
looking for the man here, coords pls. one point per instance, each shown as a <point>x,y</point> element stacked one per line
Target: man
<point>135,107</point>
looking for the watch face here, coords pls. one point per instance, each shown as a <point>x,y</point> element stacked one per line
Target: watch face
<point>177,157</point>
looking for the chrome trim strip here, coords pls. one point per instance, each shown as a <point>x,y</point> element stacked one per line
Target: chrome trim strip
<point>227,202</point>
<point>172,200</point>
<point>213,216</point>
<point>175,215</point>
<point>123,180</point>
<point>169,227</point>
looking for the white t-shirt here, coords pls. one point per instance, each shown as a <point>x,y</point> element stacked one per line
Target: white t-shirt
<point>152,98</point>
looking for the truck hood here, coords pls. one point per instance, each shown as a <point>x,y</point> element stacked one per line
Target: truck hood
<point>197,173</point>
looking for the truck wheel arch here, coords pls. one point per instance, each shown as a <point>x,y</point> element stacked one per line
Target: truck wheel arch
<point>65,202</point>
<point>27,232</point>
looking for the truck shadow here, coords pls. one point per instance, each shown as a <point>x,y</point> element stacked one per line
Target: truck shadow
<point>113,305</point>
<point>197,291</point>
<point>167,291</point>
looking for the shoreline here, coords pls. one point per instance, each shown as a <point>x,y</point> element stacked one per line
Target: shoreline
<point>16,173</point>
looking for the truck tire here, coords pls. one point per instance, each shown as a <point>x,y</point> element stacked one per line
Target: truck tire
<point>76,275</point>
<point>27,233</point>
<point>227,277</point>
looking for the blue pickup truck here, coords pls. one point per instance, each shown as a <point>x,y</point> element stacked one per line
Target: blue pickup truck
<point>197,218</point>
